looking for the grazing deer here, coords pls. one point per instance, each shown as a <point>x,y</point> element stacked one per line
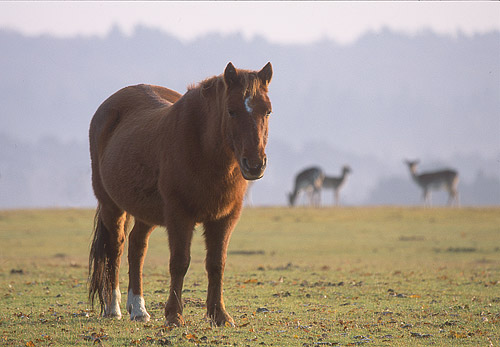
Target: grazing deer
<point>436,180</point>
<point>309,181</point>
<point>336,183</point>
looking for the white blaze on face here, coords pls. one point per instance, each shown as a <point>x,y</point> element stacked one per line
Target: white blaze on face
<point>113,310</point>
<point>136,307</point>
<point>247,104</point>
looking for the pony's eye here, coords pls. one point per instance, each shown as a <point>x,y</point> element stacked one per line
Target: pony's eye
<point>268,113</point>
<point>232,113</point>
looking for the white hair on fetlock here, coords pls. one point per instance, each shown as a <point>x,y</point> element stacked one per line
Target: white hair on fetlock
<point>136,307</point>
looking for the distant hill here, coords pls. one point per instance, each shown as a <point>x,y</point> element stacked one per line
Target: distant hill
<point>386,97</point>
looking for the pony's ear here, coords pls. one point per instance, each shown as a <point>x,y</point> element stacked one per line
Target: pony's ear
<point>230,74</point>
<point>266,74</point>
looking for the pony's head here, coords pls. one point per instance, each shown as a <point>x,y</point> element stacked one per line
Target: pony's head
<point>246,116</point>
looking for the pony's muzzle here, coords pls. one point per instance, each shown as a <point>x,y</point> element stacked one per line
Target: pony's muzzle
<point>253,170</point>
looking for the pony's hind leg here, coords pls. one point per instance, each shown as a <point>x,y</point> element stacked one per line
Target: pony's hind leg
<point>137,248</point>
<point>105,257</point>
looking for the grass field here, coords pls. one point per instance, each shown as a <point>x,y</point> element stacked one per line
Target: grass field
<point>383,276</point>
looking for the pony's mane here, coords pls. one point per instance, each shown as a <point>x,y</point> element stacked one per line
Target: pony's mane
<point>206,84</point>
<point>249,79</point>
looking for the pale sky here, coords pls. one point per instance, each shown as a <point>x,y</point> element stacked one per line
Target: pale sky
<point>279,22</point>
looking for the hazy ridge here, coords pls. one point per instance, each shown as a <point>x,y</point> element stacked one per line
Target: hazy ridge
<point>371,104</point>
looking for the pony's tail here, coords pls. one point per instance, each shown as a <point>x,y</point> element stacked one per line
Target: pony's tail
<point>99,279</point>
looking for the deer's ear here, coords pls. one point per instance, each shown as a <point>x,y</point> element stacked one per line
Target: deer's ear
<point>230,75</point>
<point>266,74</point>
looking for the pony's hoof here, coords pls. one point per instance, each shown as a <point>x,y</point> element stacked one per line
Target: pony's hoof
<point>140,318</point>
<point>112,315</point>
<point>136,307</point>
<point>222,320</point>
<point>175,320</point>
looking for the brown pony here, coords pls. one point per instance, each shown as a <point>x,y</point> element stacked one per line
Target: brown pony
<point>174,160</point>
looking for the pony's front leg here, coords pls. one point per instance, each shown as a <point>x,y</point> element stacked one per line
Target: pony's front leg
<point>180,233</point>
<point>137,248</point>
<point>217,235</point>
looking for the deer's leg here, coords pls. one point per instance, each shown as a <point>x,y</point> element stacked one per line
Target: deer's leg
<point>180,232</point>
<point>137,248</point>
<point>453,199</point>
<point>310,196</point>
<point>456,196</point>
<point>217,235</point>
<point>425,197</point>
<point>318,197</point>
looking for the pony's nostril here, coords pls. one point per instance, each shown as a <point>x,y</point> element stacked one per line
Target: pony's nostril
<point>253,170</point>
<point>244,161</point>
<point>257,166</point>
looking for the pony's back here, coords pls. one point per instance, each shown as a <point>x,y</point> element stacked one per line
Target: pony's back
<point>140,96</point>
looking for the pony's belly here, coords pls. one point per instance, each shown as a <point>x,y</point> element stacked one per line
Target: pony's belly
<point>134,190</point>
<point>149,212</point>
<point>144,205</point>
